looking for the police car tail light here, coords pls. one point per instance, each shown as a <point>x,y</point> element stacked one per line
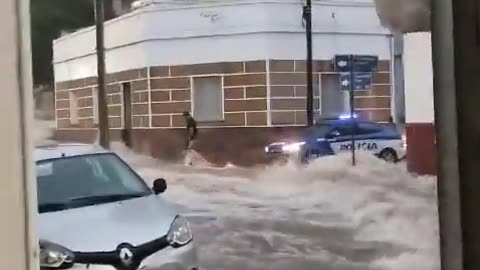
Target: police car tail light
<point>180,233</point>
<point>53,256</point>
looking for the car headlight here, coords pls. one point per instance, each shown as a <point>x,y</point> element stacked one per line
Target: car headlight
<point>267,149</point>
<point>293,147</point>
<point>179,233</point>
<point>53,256</point>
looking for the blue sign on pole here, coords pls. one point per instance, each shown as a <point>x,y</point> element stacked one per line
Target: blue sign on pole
<point>356,63</point>
<point>361,81</point>
<point>355,74</point>
<point>355,71</point>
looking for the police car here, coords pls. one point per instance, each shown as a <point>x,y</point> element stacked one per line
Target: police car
<point>330,136</point>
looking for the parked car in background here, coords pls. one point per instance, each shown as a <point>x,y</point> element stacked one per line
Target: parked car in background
<point>330,136</point>
<point>96,212</point>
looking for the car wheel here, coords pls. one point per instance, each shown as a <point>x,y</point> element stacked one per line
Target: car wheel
<point>388,155</point>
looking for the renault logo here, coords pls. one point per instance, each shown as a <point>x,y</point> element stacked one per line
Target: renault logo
<point>126,256</point>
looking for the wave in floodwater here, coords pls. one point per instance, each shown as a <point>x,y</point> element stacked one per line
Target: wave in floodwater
<point>325,216</point>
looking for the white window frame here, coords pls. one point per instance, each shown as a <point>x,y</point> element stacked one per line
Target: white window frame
<point>192,96</point>
<point>73,108</point>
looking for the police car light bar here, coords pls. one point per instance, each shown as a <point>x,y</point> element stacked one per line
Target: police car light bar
<point>347,116</point>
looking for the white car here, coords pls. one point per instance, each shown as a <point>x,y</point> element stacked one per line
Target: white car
<point>97,213</point>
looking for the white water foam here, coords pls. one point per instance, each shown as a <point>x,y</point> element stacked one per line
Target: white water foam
<point>324,216</point>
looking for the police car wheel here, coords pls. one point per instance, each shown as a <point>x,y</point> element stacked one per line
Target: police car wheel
<point>388,155</point>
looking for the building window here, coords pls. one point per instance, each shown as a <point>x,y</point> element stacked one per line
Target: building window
<point>333,101</point>
<point>95,106</point>
<point>208,99</point>
<point>73,107</point>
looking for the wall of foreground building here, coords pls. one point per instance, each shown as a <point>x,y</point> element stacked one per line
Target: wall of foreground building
<point>419,104</point>
<point>263,101</point>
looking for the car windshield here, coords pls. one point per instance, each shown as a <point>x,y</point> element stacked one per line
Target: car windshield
<point>72,182</point>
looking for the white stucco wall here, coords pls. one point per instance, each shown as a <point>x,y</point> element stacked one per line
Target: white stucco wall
<point>244,30</point>
<point>418,78</point>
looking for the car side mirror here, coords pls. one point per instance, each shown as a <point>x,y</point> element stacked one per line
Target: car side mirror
<point>159,186</point>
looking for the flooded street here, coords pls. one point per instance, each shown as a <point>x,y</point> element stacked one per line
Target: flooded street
<point>325,216</point>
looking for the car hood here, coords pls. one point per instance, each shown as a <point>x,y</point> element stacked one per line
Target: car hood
<point>103,227</point>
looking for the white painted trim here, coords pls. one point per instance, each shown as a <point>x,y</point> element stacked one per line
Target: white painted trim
<point>320,89</point>
<point>256,98</point>
<point>212,35</point>
<point>55,105</point>
<point>73,107</point>
<point>170,101</point>
<point>172,89</point>
<point>95,85</point>
<point>381,84</point>
<point>393,104</point>
<point>372,109</point>
<point>212,4</point>
<point>210,74</point>
<point>359,97</point>
<point>276,98</point>
<point>122,110</point>
<point>269,92</point>
<point>223,98</point>
<point>96,118</point>
<point>149,83</point>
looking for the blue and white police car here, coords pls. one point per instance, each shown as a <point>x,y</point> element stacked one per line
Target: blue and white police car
<point>330,136</point>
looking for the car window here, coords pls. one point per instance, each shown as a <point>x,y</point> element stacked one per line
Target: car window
<point>319,130</point>
<point>367,128</point>
<point>345,130</point>
<point>65,179</point>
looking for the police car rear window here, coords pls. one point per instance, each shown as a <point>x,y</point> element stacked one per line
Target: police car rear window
<point>367,128</point>
<point>319,130</point>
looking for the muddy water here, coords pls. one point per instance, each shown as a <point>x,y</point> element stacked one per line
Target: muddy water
<point>325,216</point>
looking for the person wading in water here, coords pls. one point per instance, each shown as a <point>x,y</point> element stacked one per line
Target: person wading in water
<point>192,133</point>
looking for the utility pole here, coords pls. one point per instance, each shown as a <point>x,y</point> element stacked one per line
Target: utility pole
<point>456,63</point>
<point>351,91</point>
<point>307,14</point>
<point>103,125</point>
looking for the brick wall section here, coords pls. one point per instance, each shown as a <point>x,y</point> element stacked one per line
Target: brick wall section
<point>245,93</point>
<point>84,91</point>
<point>288,92</point>
<point>161,94</point>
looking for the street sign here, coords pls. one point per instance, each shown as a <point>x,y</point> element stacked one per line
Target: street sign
<point>364,63</point>
<point>355,74</point>
<point>361,81</point>
<point>343,63</point>
<point>356,63</point>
